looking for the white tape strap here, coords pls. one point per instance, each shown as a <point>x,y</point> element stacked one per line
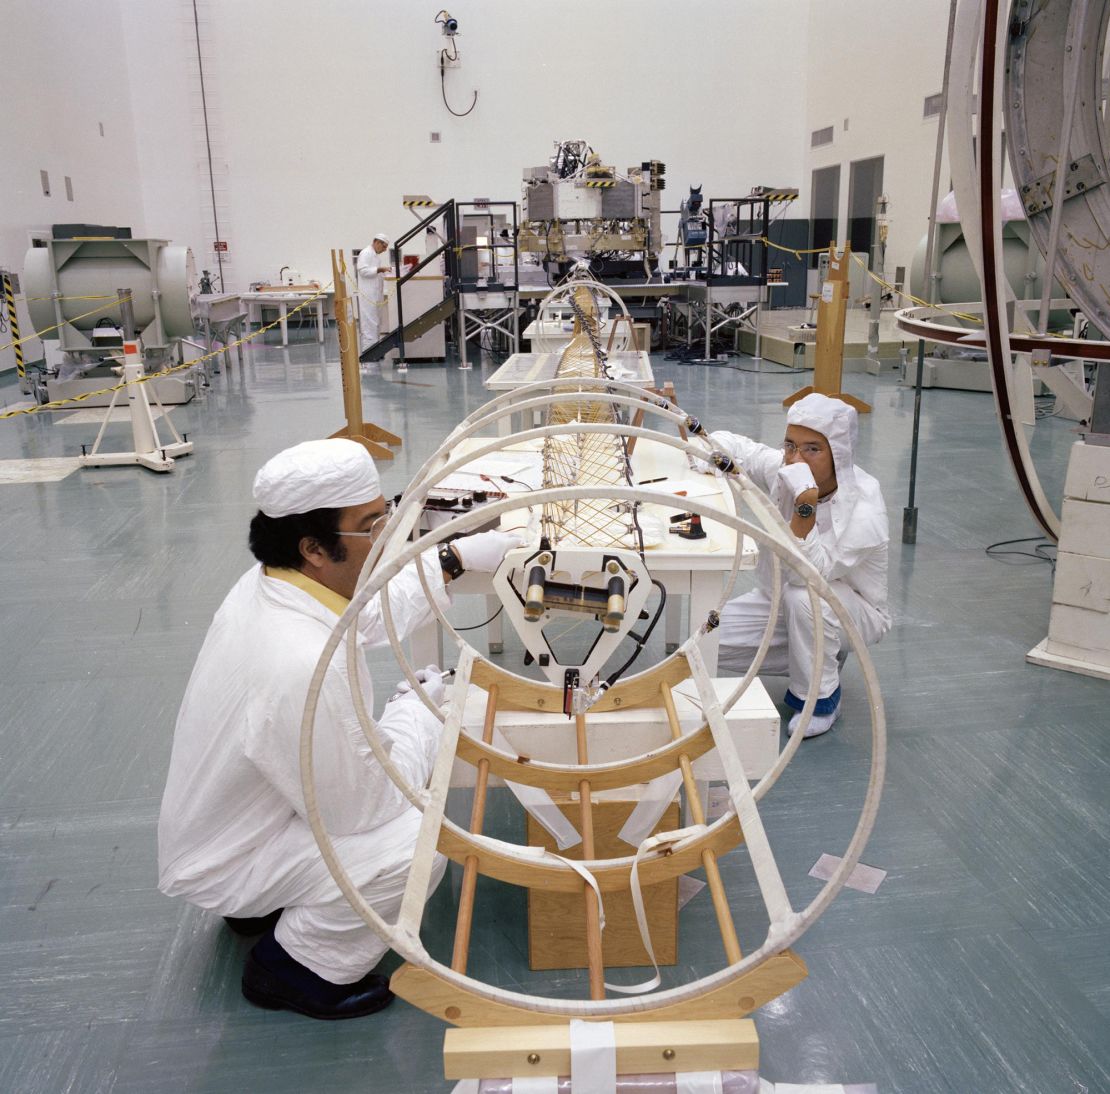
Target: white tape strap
<point>536,1084</point>
<point>537,802</point>
<point>650,808</point>
<point>593,1057</point>
<point>698,1082</point>
<point>652,843</point>
<point>762,857</point>
<point>590,880</point>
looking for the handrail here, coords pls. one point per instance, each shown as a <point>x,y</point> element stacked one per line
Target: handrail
<point>446,211</point>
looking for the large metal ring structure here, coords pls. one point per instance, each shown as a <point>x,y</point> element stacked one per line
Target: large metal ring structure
<point>621,333</point>
<point>747,981</point>
<point>1042,65</point>
<point>1055,66</point>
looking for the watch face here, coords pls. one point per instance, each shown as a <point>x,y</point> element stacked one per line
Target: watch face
<point>804,510</point>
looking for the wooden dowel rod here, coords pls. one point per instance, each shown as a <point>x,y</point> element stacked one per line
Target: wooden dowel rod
<point>708,858</point>
<point>470,867</point>
<point>594,957</point>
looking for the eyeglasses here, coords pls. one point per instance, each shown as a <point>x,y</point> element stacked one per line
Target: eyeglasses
<point>810,448</point>
<point>376,528</point>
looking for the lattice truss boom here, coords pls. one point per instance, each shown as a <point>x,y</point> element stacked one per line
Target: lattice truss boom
<point>585,459</point>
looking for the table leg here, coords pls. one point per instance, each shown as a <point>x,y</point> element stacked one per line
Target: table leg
<point>426,645</point>
<point>284,323</point>
<point>320,320</point>
<point>496,628</point>
<point>672,621</point>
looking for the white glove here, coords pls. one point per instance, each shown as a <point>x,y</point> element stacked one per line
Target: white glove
<point>484,551</point>
<point>431,678</point>
<point>797,478</point>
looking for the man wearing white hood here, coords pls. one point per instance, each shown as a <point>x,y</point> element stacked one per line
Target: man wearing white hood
<point>232,834</point>
<point>370,269</point>
<point>837,513</point>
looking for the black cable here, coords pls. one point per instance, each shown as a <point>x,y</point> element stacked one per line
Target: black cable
<point>690,356</point>
<point>443,58</point>
<point>641,642</point>
<point>505,478</point>
<point>1036,554</point>
<point>478,626</point>
<point>208,145</point>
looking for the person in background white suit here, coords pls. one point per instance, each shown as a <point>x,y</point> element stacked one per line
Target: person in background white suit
<point>370,268</point>
<point>837,513</point>
<point>232,834</point>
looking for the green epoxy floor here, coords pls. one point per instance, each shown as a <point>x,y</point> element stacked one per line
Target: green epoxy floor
<point>981,965</point>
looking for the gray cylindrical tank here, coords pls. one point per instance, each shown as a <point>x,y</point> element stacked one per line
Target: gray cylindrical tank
<point>959,282</point>
<point>79,269</point>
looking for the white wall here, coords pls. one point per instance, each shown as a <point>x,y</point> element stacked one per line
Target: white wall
<point>320,115</point>
<point>64,75</point>
<point>323,113</point>
<point>871,63</point>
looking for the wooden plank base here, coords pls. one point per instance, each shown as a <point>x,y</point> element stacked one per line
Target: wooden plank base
<point>642,1049</point>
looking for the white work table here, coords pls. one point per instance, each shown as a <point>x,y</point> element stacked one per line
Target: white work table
<point>283,301</point>
<point>696,569</point>
<point>521,369</point>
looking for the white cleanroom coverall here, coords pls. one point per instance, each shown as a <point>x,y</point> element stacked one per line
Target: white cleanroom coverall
<point>232,835</point>
<point>370,269</point>
<point>848,545</point>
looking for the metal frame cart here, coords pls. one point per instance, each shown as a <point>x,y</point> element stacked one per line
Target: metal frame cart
<point>491,302</point>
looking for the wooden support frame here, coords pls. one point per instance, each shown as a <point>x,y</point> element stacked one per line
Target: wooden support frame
<point>470,864</point>
<point>592,908</point>
<point>372,437</point>
<point>722,1044</point>
<point>762,973</point>
<point>708,857</point>
<point>461,1006</point>
<point>832,313</point>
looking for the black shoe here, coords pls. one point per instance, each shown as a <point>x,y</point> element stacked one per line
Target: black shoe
<point>258,924</point>
<point>276,981</point>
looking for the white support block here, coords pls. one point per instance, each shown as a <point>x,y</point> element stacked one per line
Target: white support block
<point>1082,581</point>
<point>1088,477</point>
<point>1080,663</point>
<point>615,734</point>
<point>1079,632</point>
<point>1085,528</point>
<point>1079,625</point>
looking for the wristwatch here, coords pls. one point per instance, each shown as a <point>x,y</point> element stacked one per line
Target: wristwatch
<point>805,510</point>
<point>449,562</point>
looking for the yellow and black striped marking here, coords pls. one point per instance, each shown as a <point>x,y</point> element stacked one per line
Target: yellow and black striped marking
<point>13,324</point>
<point>419,203</point>
<point>599,184</point>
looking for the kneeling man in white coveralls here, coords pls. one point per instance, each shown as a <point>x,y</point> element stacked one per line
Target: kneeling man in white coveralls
<point>232,835</point>
<point>836,511</point>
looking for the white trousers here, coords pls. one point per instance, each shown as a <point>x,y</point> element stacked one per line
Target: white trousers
<point>791,652</point>
<point>369,320</point>
<point>319,928</point>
